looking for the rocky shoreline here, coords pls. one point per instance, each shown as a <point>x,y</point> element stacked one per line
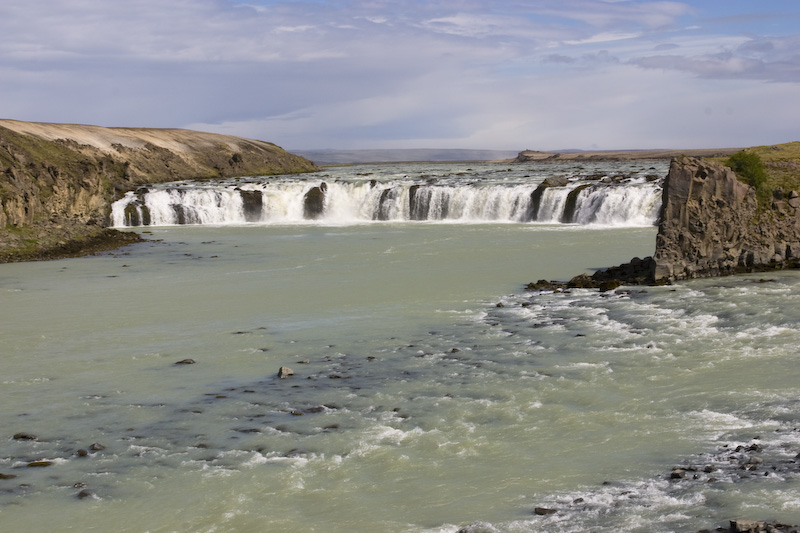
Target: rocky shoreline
<point>61,241</point>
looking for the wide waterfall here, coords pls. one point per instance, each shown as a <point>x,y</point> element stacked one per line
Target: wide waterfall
<point>602,194</point>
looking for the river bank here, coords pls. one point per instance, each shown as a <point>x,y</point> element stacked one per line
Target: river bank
<point>57,181</point>
<point>61,241</point>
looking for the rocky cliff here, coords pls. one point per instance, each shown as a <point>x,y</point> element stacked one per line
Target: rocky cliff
<point>712,224</point>
<point>57,181</point>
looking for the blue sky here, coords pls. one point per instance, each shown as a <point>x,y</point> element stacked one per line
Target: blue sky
<point>495,74</point>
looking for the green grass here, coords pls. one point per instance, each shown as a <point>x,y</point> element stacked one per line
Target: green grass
<point>782,166</point>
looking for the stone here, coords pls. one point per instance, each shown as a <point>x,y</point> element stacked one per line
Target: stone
<point>543,285</point>
<point>314,202</point>
<point>544,511</point>
<point>186,362</point>
<point>747,526</point>
<point>568,215</point>
<point>609,285</point>
<point>7,476</point>
<point>24,436</point>
<point>677,473</point>
<point>40,464</point>
<point>582,281</point>
<point>284,372</point>
<point>252,204</point>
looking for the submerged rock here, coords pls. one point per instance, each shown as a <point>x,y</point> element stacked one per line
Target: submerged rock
<point>85,493</point>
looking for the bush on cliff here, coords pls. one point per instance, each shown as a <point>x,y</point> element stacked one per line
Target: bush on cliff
<point>750,169</point>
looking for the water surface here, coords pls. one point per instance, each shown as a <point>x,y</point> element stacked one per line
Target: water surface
<point>417,404</point>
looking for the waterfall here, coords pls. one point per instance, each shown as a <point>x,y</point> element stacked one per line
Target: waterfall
<point>335,201</point>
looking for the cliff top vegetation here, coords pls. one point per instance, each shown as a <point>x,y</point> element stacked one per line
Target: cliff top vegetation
<point>781,163</point>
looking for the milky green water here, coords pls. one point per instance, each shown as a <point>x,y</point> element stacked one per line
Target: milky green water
<point>417,403</point>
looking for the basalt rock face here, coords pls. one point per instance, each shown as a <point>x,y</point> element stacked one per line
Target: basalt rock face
<point>711,225</point>
<point>56,177</point>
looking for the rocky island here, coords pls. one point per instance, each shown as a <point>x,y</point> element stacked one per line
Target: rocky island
<point>57,181</point>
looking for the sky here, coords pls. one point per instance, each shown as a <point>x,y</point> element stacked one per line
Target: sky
<point>364,74</point>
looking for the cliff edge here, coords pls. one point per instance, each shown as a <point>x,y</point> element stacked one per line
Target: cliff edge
<point>713,224</point>
<point>57,181</point>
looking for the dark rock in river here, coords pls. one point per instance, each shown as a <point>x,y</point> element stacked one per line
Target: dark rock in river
<point>186,362</point>
<point>85,493</point>
<point>252,204</point>
<point>568,215</point>
<point>314,201</point>
<point>284,372</point>
<point>24,436</point>
<point>753,526</point>
<point>543,285</point>
<point>536,195</point>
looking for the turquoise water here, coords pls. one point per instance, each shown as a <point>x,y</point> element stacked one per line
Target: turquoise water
<point>417,402</point>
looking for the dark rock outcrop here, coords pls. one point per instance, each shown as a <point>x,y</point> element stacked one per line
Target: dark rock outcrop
<point>568,216</point>
<point>253,204</point>
<point>711,224</point>
<point>536,195</point>
<point>314,201</point>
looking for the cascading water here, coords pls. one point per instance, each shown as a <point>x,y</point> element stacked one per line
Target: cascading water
<point>626,197</point>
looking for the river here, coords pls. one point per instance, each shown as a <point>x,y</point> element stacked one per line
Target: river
<point>430,392</point>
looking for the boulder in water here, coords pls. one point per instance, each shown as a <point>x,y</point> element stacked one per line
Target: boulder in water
<point>314,201</point>
<point>252,204</point>
<point>284,372</point>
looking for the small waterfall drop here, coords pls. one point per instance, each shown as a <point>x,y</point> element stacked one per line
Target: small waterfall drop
<point>344,197</point>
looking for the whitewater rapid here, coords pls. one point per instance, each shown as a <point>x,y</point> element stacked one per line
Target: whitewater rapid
<point>565,194</point>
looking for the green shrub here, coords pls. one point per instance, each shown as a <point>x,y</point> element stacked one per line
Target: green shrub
<point>750,169</point>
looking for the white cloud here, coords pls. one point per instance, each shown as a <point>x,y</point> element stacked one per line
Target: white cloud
<point>604,38</point>
<point>377,73</point>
